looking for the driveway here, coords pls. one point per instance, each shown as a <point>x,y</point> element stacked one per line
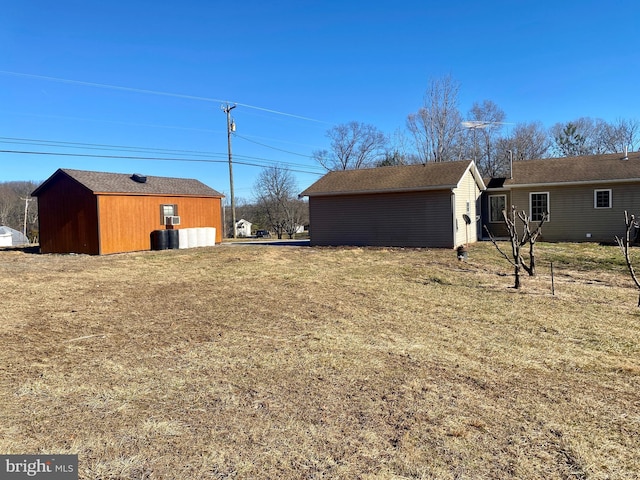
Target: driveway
<point>268,243</point>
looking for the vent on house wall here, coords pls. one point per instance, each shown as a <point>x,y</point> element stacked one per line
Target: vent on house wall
<point>138,177</point>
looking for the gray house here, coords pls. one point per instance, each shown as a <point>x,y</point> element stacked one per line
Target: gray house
<point>426,205</point>
<point>585,196</point>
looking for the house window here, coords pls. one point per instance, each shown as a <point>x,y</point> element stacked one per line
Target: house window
<point>167,210</point>
<point>539,205</point>
<point>602,198</point>
<point>497,204</point>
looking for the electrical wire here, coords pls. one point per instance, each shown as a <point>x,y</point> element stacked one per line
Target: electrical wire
<point>273,148</point>
<point>156,92</point>
<point>114,122</point>
<point>128,157</point>
<point>161,151</point>
<point>205,155</point>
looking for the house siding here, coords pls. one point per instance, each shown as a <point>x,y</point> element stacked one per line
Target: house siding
<point>68,218</point>
<point>416,219</point>
<point>126,221</point>
<point>466,192</point>
<point>572,212</point>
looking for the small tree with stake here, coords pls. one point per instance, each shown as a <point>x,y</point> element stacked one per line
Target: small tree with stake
<point>631,223</point>
<point>517,241</point>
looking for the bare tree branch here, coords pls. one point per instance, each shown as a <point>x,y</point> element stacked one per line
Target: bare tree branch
<point>436,125</point>
<point>630,223</point>
<point>353,145</point>
<point>495,244</point>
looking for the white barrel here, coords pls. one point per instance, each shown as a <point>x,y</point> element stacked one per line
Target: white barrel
<point>202,236</point>
<point>211,236</point>
<point>193,237</point>
<point>183,238</point>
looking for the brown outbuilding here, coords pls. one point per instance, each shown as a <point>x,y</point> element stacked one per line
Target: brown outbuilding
<point>102,213</point>
<point>425,205</point>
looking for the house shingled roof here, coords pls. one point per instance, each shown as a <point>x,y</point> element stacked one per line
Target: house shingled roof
<point>429,176</point>
<point>102,182</point>
<point>585,169</point>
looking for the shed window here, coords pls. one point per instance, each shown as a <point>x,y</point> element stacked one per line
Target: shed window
<point>539,205</point>
<point>602,198</point>
<point>497,204</point>
<point>167,210</point>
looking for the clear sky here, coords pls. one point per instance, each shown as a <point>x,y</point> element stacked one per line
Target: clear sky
<point>152,76</point>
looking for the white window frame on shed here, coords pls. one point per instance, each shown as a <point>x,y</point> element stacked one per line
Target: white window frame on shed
<point>609,198</point>
<point>538,215</point>
<point>496,217</point>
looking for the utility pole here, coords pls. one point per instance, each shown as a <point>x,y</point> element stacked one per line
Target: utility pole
<point>26,209</point>
<point>231,127</point>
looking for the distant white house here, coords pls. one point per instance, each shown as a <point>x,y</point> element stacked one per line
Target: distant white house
<point>243,228</point>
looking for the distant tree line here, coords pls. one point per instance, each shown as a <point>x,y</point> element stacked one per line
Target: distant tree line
<point>15,201</point>
<point>439,132</point>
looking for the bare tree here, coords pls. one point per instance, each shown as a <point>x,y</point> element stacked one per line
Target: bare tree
<point>398,151</point>
<point>624,243</point>
<point>527,141</point>
<point>7,204</point>
<point>15,202</point>
<point>436,125</point>
<point>620,135</point>
<point>297,215</point>
<point>275,191</point>
<point>353,145</point>
<point>586,136</point>
<point>518,241</point>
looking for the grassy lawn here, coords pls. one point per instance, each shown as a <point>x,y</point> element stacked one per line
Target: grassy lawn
<point>288,362</point>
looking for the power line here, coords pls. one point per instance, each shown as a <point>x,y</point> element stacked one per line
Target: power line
<point>128,148</point>
<point>114,122</point>
<point>129,157</point>
<point>156,92</point>
<point>273,148</point>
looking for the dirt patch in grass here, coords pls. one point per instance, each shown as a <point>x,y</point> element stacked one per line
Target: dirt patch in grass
<point>284,362</point>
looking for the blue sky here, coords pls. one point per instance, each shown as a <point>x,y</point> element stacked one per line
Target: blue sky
<point>153,75</point>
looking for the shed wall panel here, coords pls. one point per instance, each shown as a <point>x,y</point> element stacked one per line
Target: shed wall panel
<point>67,219</point>
<point>127,221</point>
<point>420,219</point>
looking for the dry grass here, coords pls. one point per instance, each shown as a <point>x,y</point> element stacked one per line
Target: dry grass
<point>283,362</point>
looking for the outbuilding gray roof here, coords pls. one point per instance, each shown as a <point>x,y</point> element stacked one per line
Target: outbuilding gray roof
<point>102,182</point>
<point>429,176</point>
